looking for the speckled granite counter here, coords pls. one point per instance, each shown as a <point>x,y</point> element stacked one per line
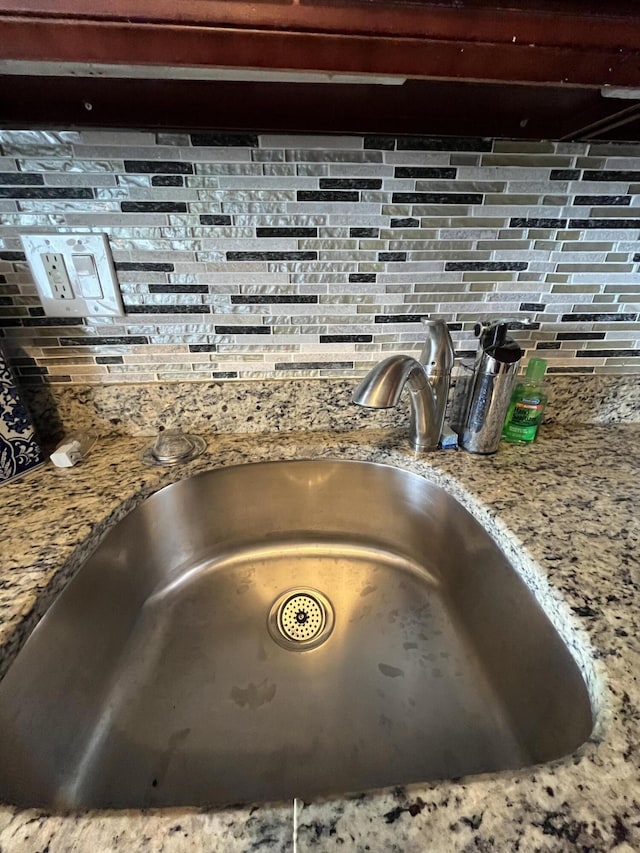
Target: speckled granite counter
<point>565,510</point>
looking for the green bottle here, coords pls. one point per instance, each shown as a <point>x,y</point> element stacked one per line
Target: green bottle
<point>526,408</point>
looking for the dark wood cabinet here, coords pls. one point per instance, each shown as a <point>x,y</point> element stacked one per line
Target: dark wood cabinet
<point>497,67</point>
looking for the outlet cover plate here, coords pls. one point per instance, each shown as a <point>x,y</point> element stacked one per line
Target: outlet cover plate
<point>105,299</point>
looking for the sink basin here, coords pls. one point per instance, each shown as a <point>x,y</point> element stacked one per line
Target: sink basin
<point>285,629</point>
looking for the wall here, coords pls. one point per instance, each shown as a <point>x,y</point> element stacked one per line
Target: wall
<point>278,257</point>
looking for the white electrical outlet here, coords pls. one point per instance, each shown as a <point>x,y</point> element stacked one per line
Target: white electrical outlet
<point>57,274</point>
<point>74,274</point>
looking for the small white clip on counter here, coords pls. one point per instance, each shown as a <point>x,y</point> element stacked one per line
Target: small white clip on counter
<point>72,449</point>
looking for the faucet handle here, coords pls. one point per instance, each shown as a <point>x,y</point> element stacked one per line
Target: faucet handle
<point>437,353</point>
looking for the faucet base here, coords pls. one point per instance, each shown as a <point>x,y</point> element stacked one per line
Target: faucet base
<point>423,448</point>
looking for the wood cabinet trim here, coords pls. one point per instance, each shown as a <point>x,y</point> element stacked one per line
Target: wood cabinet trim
<point>38,39</point>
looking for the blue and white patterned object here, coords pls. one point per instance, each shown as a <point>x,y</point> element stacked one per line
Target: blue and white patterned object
<point>19,450</point>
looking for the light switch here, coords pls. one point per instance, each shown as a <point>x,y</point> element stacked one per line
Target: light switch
<point>87,276</point>
<point>74,274</point>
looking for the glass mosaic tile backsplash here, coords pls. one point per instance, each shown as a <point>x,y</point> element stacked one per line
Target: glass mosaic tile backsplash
<point>261,256</point>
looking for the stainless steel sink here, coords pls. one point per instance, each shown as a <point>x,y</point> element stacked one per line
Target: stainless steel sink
<point>285,629</point>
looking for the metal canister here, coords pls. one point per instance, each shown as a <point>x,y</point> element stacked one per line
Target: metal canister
<point>494,376</point>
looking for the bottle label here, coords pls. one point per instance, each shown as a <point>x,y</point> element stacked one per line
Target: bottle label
<point>527,414</point>
<point>520,433</point>
<point>524,421</point>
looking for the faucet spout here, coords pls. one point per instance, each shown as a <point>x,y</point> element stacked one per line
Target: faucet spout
<point>381,389</point>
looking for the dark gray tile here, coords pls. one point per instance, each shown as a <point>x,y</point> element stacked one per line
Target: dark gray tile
<point>15,179</point>
<point>225,140</point>
<point>598,318</point>
<point>364,233</point>
<point>243,330</point>
<point>552,369</point>
<point>443,143</point>
<point>405,223</point>
<point>214,219</point>
<point>272,256</point>
<point>327,195</point>
<point>178,288</point>
<point>315,365</point>
<point>424,172</point>
<point>611,224</point>
<point>105,341</point>
<point>350,183</point>
<point>32,371</point>
<point>437,198</point>
<point>611,175</point>
<point>47,192</point>
<point>109,359</point>
<point>382,143</point>
<point>603,200</point>
<point>487,266</point>
<point>273,299</point>
<point>392,256</point>
<point>565,174</point>
<point>153,207</point>
<point>128,266</point>
<point>517,222</point>
<point>167,181</point>
<point>398,318</point>
<point>52,321</point>
<point>346,339</point>
<point>167,309</point>
<point>23,362</point>
<point>531,327</point>
<point>12,256</point>
<point>580,336</point>
<point>608,353</point>
<point>158,167</point>
<point>362,277</point>
<point>286,232</point>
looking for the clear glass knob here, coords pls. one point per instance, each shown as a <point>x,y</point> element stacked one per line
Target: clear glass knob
<point>171,445</point>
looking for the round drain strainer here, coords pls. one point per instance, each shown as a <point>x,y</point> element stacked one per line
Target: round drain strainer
<point>301,619</point>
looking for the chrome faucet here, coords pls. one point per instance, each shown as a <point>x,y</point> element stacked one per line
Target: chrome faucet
<point>428,382</point>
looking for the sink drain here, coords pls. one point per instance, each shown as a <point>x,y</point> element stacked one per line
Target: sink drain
<point>301,619</point>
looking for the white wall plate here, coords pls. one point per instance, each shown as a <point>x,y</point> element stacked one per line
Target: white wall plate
<point>74,274</point>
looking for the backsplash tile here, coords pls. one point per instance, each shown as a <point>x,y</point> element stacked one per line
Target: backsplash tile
<point>247,256</point>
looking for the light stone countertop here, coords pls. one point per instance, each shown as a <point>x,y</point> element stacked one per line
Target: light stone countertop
<point>564,511</point>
